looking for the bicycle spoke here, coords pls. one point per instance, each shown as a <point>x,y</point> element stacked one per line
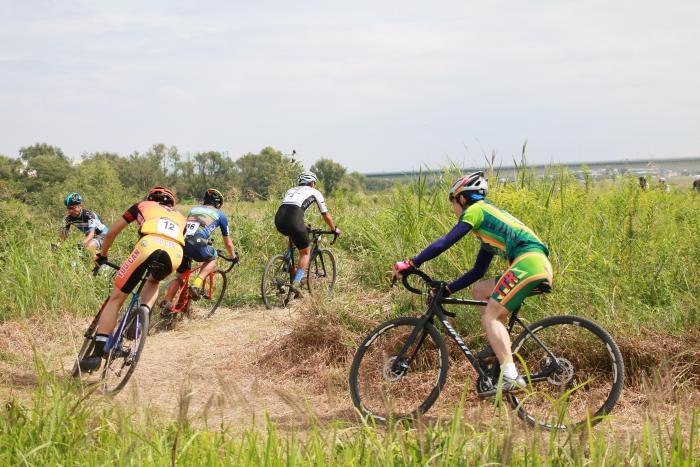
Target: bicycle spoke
<point>386,385</point>
<point>584,381</point>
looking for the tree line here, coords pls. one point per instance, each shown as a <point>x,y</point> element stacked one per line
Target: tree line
<point>252,176</point>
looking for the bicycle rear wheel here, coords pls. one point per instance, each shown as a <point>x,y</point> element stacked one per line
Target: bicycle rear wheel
<point>125,353</point>
<point>386,389</point>
<point>321,273</point>
<point>587,383</point>
<point>213,290</point>
<point>276,281</point>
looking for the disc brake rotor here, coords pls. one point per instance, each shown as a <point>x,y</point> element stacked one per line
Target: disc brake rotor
<point>563,375</point>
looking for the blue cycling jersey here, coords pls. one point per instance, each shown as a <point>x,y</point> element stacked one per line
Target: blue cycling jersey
<point>86,221</point>
<point>203,220</point>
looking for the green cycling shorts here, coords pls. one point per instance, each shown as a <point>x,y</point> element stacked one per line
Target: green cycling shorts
<point>526,272</point>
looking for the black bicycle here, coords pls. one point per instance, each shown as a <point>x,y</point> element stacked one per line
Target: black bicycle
<point>125,345</point>
<point>276,287</point>
<point>573,368</point>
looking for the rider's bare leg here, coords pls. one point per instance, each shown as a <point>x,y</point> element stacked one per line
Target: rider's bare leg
<point>496,332</point>
<point>304,256</point>
<point>149,293</point>
<point>207,267</point>
<point>108,317</point>
<point>491,316</point>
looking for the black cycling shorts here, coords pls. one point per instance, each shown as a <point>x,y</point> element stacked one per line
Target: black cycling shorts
<point>289,221</point>
<point>196,248</point>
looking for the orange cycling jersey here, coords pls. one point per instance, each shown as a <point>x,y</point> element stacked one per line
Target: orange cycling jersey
<point>156,219</point>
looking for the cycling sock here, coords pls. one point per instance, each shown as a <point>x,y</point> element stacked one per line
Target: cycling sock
<point>509,371</point>
<point>198,282</point>
<point>100,342</point>
<point>298,275</point>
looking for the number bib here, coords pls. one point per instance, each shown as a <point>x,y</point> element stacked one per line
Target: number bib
<point>191,228</point>
<point>167,227</point>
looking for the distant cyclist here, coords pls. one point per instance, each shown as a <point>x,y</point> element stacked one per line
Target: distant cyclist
<point>289,219</point>
<point>85,220</point>
<point>161,238</point>
<point>500,234</point>
<point>202,221</point>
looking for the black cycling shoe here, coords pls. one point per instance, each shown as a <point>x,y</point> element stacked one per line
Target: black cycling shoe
<point>195,292</point>
<point>90,363</point>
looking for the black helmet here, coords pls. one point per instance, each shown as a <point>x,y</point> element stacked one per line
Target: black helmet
<point>214,198</point>
<point>73,199</point>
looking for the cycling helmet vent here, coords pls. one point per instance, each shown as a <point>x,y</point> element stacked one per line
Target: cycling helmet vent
<point>162,195</point>
<point>307,177</point>
<point>473,183</point>
<point>73,199</point>
<point>213,197</point>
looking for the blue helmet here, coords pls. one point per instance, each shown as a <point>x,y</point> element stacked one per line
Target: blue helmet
<point>73,199</point>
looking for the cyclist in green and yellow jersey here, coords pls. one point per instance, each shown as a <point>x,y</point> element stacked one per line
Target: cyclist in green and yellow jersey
<point>500,234</point>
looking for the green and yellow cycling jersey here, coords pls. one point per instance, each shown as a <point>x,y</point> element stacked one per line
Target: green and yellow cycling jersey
<point>499,232</point>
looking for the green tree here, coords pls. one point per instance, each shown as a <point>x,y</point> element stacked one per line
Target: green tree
<point>329,172</point>
<point>9,168</point>
<point>45,165</point>
<point>40,149</point>
<point>267,173</point>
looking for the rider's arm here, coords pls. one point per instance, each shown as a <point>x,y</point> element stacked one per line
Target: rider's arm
<point>228,244</point>
<point>88,236</point>
<point>442,243</point>
<point>114,230</point>
<point>329,220</point>
<point>223,225</point>
<point>481,265</point>
<point>64,230</point>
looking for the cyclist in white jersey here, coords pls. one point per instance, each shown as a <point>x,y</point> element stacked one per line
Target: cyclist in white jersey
<point>289,219</point>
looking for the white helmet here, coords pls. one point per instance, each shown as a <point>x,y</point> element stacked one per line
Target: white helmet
<point>307,177</point>
<point>474,182</point>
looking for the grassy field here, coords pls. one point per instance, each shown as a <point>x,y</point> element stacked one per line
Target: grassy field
<point>624,257</point>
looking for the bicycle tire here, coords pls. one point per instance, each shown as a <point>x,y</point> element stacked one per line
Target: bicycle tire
<point>131,359</point>
<point>321,273</point>
<point>275,283</point>
<point>371,360</point>
<point>159,323</point>
<point>585,388</point>
<point>212,295</point>
<point>85,349</point>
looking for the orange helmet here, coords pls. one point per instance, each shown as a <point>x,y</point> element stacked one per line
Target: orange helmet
<point>162,195</point>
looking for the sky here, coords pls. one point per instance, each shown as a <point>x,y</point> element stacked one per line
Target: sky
<point>376,86</point>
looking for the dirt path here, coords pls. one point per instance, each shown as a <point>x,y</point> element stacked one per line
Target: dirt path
<point>212,365</point>
<point>212,368</point>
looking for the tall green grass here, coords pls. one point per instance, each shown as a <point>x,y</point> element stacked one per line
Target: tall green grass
<point>59,427</point>
<point>625,257</point>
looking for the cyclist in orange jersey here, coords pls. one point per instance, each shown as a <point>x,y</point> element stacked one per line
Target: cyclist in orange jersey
<point>161,239</point>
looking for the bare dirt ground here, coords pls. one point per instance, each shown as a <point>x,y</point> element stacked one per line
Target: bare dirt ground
<point>216,369</point>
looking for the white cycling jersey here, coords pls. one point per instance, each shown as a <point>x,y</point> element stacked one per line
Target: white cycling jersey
<point>303,196</point>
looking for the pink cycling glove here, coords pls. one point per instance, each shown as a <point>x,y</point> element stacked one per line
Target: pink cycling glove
<point>402,266</point>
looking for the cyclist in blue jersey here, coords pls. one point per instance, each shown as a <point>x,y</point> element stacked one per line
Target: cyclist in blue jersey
<point>85,220</point>
<point>202,221</point>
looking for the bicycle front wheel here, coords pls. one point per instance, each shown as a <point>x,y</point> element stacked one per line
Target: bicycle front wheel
<point>582,385</point>
<point>388,387</point>
<point>124,355</point>
<point>213,290</point>
<point>321,273</point>
<point>276,280</point>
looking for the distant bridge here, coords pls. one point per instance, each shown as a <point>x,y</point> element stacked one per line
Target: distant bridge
<point>679,165</point>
